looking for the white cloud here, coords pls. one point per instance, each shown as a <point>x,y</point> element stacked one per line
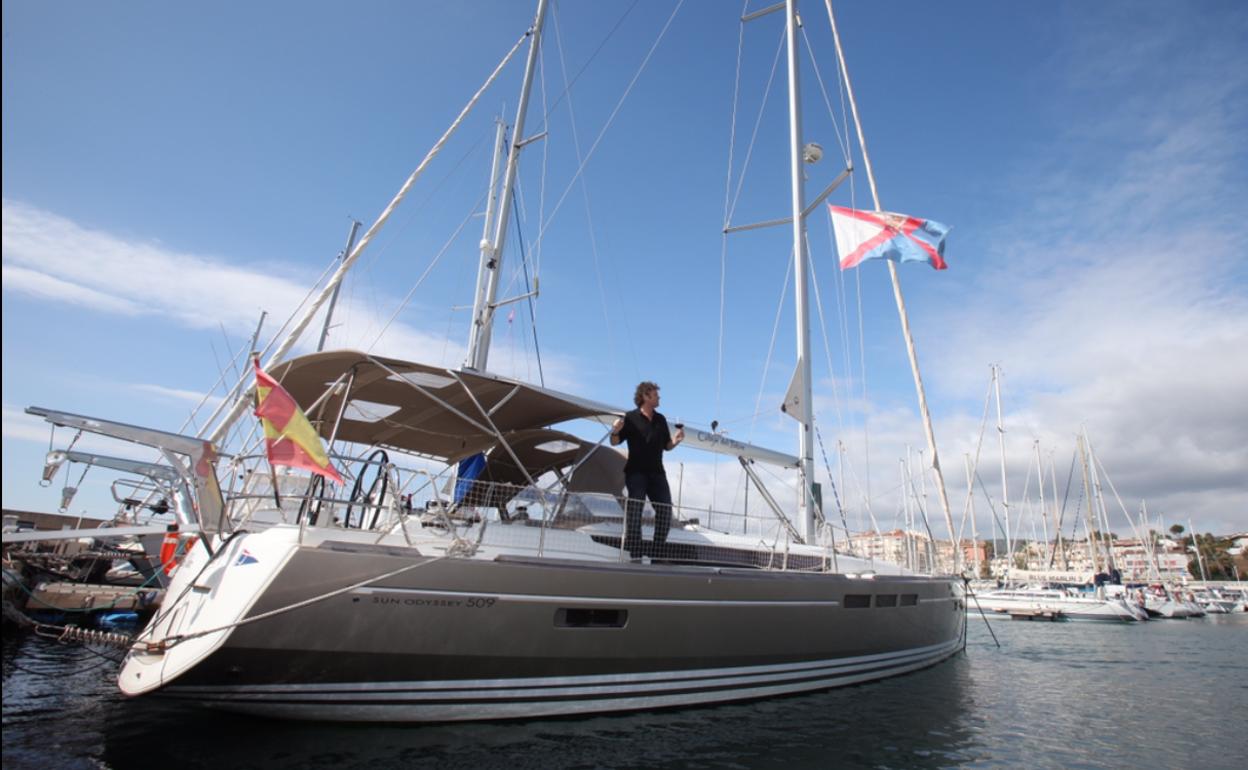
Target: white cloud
<point>1117,301</point>
<point>141,277</point>
<point>189,396</point>
<point>43,286</point>
<point>52,258</point>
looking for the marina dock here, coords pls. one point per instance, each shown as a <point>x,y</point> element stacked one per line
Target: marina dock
<point>86,597</point>
<point>1037,614</point>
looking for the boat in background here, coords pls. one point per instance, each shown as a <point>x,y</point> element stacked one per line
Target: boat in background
<point>1070,605</point>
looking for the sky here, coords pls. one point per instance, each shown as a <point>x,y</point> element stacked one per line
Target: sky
<point>173,171</point>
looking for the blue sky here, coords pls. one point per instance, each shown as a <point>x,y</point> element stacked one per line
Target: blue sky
<point>170,171</point>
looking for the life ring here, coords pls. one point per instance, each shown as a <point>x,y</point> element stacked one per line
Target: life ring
<point>173,548</point>
<point>169,547</point>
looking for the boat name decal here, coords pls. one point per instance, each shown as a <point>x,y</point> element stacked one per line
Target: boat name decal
<point>472,602</point>
<point>717,438</point>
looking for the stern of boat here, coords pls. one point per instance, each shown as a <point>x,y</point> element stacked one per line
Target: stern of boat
<point>206,599</point>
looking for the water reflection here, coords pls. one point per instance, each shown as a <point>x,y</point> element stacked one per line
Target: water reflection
<point>915,721</point>
<point>1151,695</point>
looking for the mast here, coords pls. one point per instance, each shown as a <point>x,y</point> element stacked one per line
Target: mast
<point>1057,521</point>
<point>1087,491</point>
<point>1147,528</point>
<point>1200,560</point>
<point>901,303</point>
<point>1005,491</point>
<point>970,495</point>
<point>487,248</point>
<point>1044,515</point>
<point>1101,512</point>
<point>333,298</point>
<point>483,312</point>
<point>806,445</point>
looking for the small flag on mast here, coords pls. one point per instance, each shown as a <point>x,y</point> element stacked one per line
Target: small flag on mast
<point>863,235</point>
<point>289,438</point>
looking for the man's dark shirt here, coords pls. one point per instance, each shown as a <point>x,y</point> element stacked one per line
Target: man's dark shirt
<point>646,441</point>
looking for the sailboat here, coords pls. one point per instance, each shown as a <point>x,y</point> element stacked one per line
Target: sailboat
<point>491,581</point>
<point>1062,602</point>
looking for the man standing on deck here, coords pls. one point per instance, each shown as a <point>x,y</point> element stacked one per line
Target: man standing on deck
<point>648,437</point>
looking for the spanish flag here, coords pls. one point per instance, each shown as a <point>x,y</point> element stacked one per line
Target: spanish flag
<point>288,436</point>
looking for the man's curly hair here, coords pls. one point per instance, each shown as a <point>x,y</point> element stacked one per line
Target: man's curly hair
<point>642,389</point>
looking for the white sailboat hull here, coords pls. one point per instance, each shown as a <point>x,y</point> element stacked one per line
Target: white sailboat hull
<point>1070,607</point>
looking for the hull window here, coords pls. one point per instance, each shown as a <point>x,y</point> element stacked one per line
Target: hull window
<point>909,600</point>
<point>857,601</point>
<point>579,617</point>
<point>886,600</point>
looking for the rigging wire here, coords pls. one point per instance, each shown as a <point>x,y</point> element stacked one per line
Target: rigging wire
<point>242,381</point>
<point>723,240</point>
<point>519,211</point>
<point>541,233</point>
<point>847,147</point>
<point>828,468</point>
<point>758,121</point>
<point>848,463</point>
<point>842,317</point>
<point>775,328</point>
<point>373,258</point>
<point>567,89</point>
<point>240,405</point>
<point>918,503</point>
<point>1110,482</point>
<point>979,444</point>
<point>862,370</point>
<point>593,240</point>
<point>827,348</point>
<point>1057,528</point>
<point>436,258</point>
<point>823,90</point>
<point>529,291</point>
<point>991,506</point>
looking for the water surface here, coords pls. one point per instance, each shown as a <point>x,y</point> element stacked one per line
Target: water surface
<point>1162,694</point>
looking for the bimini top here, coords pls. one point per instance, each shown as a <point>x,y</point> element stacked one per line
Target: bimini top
<point>446,414</point>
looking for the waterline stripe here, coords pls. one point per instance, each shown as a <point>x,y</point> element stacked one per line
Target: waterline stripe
<point>498,705</point>
<point>641,680</point>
